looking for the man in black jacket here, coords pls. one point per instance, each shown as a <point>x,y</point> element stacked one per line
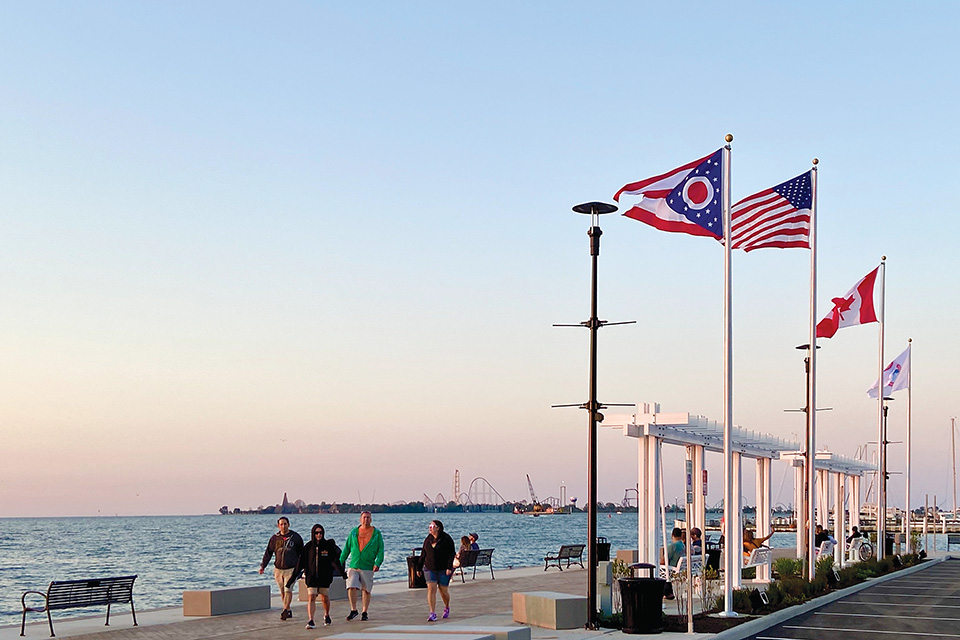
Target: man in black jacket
<point>319,563</point>
<point>287,547</point>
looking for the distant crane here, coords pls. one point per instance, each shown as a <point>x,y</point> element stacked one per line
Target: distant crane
<point>533,494</point>
<point>536,508</point>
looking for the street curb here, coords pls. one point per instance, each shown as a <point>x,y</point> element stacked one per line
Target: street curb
<point>748,629</point>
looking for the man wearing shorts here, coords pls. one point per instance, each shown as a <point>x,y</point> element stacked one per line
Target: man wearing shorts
<point>364,548</point>
<point>287,547</point>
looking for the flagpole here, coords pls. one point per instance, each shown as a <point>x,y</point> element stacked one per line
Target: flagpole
<point>909,420</point>
<point>882,439</point>
<point>811,444</point>
<point>731,536</point>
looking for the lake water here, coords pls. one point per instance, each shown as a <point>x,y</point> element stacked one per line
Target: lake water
<point>172,554</point>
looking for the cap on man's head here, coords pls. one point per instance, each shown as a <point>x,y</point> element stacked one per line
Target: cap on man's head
<point>474,536</point>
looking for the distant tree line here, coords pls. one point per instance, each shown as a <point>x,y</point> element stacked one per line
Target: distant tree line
<point>299,506</point>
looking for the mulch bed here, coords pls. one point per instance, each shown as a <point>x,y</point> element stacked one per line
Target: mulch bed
<point>703,623</point>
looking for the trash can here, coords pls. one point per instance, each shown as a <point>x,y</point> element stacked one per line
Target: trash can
<point>415,577</point>
<point>642,601</point>
<point>888,547</point>
<point>603,549</point>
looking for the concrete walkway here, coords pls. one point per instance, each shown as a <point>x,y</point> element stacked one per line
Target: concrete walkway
<point>480,601</point>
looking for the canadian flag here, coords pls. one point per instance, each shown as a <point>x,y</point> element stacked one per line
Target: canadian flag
<point>856,307</point>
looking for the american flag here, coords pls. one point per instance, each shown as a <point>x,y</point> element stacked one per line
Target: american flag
<point>776,217</point>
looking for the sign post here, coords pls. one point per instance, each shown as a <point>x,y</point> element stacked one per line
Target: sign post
<point>689,475</point>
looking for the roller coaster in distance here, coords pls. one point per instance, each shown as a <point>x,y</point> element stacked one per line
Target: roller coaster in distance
<point>483,496</point>
<point>479,496</point>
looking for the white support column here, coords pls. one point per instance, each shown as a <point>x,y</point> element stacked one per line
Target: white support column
<point>648,500</point>
<point>839,519</point>
<point>842,527</point>
<point>823,498</point>
<point>764,572</point>
<point>799,506</point>
<point>736,546</point>
<point>854,502</point>
<point>699,516</point>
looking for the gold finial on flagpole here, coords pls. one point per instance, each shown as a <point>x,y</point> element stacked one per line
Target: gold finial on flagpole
<point>909,339</point>
<point>728,137</point>
<point>883,258</point>
<point>816,161</point>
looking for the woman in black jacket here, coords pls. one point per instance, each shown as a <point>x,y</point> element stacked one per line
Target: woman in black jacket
<point>319,562</point>
<point>438,553</point>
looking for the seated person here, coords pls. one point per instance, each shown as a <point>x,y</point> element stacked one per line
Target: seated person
<point>750,543</point>
<point>464,546</point>
<point>822,536</point>
<point>853,536</point>
<point>696,541</point>
<point>675,549</point>
<point>473,541</point>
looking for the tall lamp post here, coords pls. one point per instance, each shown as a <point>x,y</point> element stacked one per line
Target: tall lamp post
<point>810,475</point>
<point>593,406</point>
<point>883,476</point>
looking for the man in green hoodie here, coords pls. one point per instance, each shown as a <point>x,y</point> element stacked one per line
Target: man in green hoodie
<point>364,547</point>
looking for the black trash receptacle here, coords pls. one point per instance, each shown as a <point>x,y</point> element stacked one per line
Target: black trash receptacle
<point>415,578</point>
<point>603,549</point>
<point>888,546</point>
<point>642,601</point>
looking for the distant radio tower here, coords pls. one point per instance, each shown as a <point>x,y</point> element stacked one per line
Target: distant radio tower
<point>456,486</point>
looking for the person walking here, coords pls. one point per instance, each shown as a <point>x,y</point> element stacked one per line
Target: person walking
<point>319,562</point>
<point>286,546</point>
<point>364,548</point>
<point>438,553</point>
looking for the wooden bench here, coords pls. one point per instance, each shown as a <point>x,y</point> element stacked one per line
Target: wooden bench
<point>219,602</point>
<point>550,610</point>
<point>569,552</point>
<point>72,594</point>
<point>476,558</point>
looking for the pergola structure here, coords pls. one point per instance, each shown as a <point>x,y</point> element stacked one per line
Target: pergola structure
<point>699,435</point>
<point>843,475</point>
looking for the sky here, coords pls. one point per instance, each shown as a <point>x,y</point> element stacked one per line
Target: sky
<point>318,247</point>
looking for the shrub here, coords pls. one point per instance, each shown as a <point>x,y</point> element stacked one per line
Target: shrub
<point>787,567</point>
<point>741,601</point>
<point>824,566</point>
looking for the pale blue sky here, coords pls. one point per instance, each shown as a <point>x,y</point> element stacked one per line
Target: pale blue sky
<point>318,247</point>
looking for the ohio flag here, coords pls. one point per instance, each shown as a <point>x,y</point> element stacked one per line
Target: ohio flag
<point>687,199</point>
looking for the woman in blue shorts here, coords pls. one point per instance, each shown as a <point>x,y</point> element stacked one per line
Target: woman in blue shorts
<point>438,553</point>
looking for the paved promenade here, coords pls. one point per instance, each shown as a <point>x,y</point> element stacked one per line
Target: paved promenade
<point>480,601</point>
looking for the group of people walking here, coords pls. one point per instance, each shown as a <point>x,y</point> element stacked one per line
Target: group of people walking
<point>320,560</point>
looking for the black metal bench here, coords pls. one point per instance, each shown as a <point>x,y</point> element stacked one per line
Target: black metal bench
<point>71,594</point>
<point>569,552</point>
<point>476,558</point>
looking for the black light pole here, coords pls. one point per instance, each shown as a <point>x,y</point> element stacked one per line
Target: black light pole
<point>593,406</point>
<point>884,476</point>
<point>594,209</point>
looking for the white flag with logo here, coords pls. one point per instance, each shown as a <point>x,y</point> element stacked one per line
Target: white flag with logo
<point>895,377</point>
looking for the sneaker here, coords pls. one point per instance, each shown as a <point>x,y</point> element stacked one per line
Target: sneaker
<point>310,625</point>
<point>327,621</point>
<point>353,614</point>
<point>363,617</point>
<point>432,617</point>
<point>286,613</point>
<point>446,613</point>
